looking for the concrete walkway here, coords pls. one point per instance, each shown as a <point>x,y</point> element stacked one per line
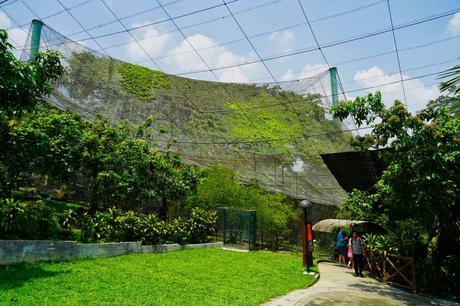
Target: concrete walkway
<point>338,286</point>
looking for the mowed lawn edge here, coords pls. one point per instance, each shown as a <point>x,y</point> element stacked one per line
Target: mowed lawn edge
<point>187,277</point>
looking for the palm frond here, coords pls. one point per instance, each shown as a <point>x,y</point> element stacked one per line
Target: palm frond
<point>453,84</point>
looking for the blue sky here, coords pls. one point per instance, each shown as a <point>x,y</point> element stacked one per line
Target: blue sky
<point>275,27</point>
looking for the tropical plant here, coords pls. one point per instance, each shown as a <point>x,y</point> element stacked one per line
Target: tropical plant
<point>421,182</point>
<point>30,220</point>
<point>453,84</point>
<point>380,244</point>
<point>117,225</point>
<point>201,223</point>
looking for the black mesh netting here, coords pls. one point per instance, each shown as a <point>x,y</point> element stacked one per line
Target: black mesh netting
<point>274,133</point>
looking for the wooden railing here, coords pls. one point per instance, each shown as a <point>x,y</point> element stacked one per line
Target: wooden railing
<point>392,269</point>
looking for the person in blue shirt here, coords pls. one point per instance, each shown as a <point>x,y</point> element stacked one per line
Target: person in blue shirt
<point>342,245</point>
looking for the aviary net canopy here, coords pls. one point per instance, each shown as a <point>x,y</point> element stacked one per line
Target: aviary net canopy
<point>271,132</point>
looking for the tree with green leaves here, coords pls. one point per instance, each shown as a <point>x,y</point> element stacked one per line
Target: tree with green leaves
<point>112,163</point>
<point>23,86</point>
<point>422,180</point>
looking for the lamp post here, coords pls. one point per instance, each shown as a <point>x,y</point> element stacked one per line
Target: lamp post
<point>307,235</point>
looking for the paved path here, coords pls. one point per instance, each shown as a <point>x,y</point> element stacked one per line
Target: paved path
<point>338,286</point>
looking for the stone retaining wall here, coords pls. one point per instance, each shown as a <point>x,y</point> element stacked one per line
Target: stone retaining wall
<point>17,251</point>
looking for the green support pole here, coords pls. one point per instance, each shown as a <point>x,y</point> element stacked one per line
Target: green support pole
<point>36,30</point>
<point>334,91</point>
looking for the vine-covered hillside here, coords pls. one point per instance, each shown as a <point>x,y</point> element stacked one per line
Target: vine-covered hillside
<point>259,131</point>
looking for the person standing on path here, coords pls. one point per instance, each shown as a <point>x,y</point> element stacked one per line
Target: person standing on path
<point>342,245</point>
<point>357,250</point>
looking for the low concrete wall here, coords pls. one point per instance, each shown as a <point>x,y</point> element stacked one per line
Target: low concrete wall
<point>204,245</point>
<point>108,249</point>
<point>161,248</point>
<point>17,251</point>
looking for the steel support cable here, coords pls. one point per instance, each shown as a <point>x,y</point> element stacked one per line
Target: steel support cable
<point>396,49</point>
<point>385,84</point>
<point>413,23</point>
<point>131,16</point>
<point>225,16</point>
<point>357,59</point>
<point>305,181</point>
<point>161,21</point>
<point>307,132</point>
<point>322,53</point>
<point>309,49</point>
<point>331,44</point>
<point>33,12</point>
<point>86,31</point>
<point>212,72</point>
<point>318,134</point>
<point>328,45</point>
<point>348,91</point>
<point>206,64</point>
<point>5,1</point>
<point>99,25</point>
<point>405,70</point>
<point>200,24</point>
<point>170,120</point>
<point>15,42</point>
<point>206,21</point>
<point>353,60</point>
<point>146,53</point>
<point>153,61</point>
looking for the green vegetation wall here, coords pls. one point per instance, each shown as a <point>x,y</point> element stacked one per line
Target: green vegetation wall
<point>259,131</point>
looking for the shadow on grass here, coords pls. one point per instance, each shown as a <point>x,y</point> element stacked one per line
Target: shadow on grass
<point>16,276</point>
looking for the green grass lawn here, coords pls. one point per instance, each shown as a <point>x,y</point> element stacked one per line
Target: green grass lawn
<point>189,277</point>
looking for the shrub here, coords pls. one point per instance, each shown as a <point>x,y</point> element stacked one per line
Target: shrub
<point>200,224</point>
<point>30,220</point>
<point>151,229</point>
<point>380,244</point>
<point>116,225</point>
<point>176,231</point>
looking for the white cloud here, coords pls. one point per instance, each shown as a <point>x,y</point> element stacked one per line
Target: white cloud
<point>214,57</point>
<point>4,20</point>
<point>288,75</point>
<point>454,24</point>
<point>150,39</point>
<point>307,71</point>
<point>18,37</point>
<point>416,92</point>
<point>283,39</point>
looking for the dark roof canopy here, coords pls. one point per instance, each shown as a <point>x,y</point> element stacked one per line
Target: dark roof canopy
<point>355,170</point>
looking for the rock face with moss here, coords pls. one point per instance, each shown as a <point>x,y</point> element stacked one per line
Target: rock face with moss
<point>261,132</point>
<point>142,82</point>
